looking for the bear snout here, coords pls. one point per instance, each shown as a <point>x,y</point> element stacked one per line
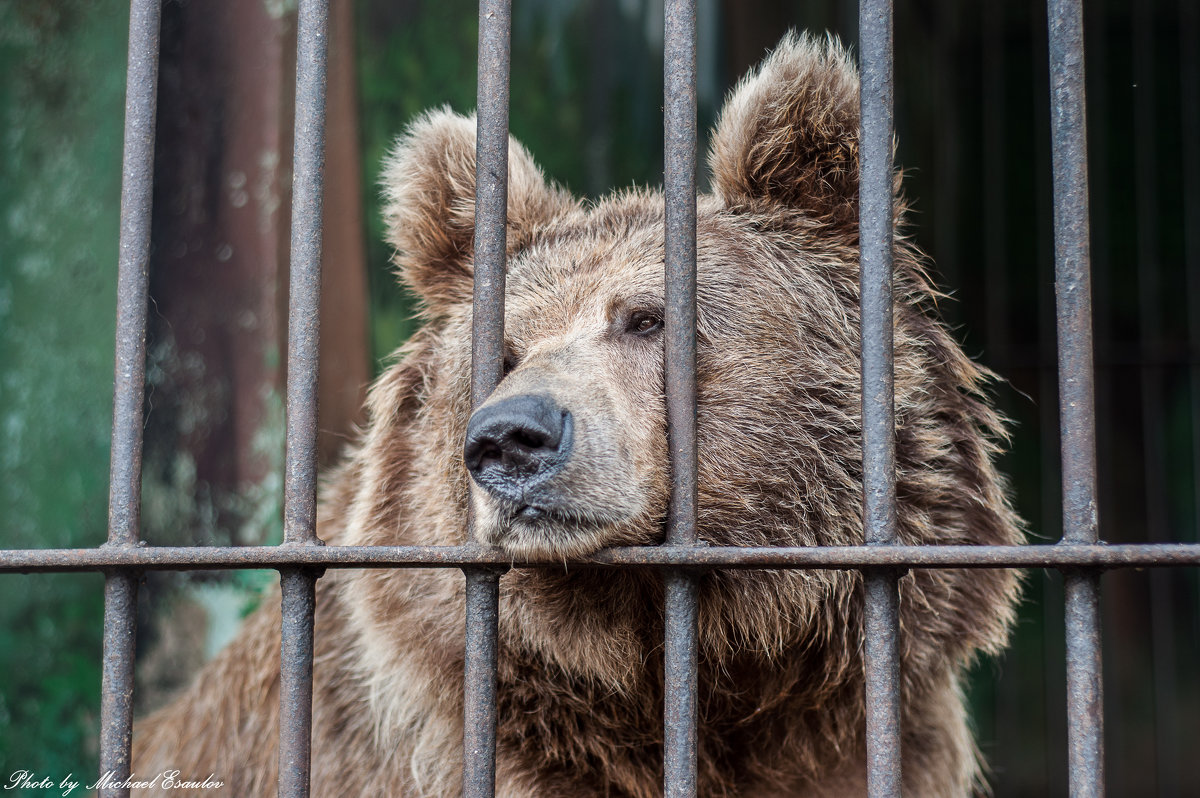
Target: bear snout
<point>516,444</point>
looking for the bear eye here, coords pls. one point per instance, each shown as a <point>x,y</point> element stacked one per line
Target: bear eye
<point>644,322</point>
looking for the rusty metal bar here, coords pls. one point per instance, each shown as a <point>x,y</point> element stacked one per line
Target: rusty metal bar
<point>487,364</point>
<point>491,198</point>
<point>298,607</point>
<point>1076,400</point>
<point>297,585</point>
<point>1072,273</point>
<point>882,669</point>
<point>881,661</point>
<point>116,699</point>
<point>184,558</point>
<point>304,318</point>
<point>680,255</point>
<point>1085,719</point>
<point>479,686</point>
<point>125,476</point>
<point>679,329</point>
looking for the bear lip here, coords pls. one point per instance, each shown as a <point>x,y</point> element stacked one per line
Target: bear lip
<point>530,512</point>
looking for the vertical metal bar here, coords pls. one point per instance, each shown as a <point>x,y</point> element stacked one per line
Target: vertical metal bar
<point>882,664</point>
<point>880,620</point>
<point>1076,399</point>
<point>487,363</point>
<point>1072,278</point>
<point>298,607</point>
<point>681,596</point>
<point>297,585</point>
<point>491,198</point>
<point>125,476</point>
<point>479,673</point>
<point>304,318</point>
<point>116,701</point>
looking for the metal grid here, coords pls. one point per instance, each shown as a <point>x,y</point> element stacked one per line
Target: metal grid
<point>301,558</point>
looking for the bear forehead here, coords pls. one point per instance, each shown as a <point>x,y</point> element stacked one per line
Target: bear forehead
<point>612,255</point>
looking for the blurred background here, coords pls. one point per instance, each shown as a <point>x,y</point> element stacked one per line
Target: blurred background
<point>973,125</point>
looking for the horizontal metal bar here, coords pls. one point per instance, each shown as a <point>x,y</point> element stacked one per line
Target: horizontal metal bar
<point>192,558</point>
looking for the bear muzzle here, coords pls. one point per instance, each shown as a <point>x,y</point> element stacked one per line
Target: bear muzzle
<point>516,446</point>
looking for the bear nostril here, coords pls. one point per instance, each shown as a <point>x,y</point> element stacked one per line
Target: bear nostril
<point>489,453</point>
<point>531,439</point>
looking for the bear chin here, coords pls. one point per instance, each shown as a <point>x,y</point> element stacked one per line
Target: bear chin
<point>548,533</point>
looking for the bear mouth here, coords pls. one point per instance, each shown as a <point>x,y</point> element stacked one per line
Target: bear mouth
<point>531,513</point>
<point>545,516</point>
<point>535,530</point>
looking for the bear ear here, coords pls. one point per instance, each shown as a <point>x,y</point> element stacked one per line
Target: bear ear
<point>788,134</point>
<point>429,204</point>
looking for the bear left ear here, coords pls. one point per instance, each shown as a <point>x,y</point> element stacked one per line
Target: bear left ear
<point>788,134</point>
<point>429,205</point>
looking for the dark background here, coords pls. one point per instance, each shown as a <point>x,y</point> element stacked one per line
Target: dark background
<point>973,126</point>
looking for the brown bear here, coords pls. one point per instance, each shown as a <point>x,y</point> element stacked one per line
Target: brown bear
<point>569,456</point>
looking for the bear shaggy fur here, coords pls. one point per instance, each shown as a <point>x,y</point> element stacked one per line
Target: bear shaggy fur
<point>580,651</point>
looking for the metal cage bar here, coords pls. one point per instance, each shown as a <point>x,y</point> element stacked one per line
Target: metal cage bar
<point>1076,394</point>
<point>300,560</point>
<point>681,595</point>
<point>184,558</point>
<point>881,661</point>
<point>124,504</point>
<point>487,364</point>
<point>298,585</point>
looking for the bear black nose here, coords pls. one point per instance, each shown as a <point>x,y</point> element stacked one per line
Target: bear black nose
<point>517,443</point>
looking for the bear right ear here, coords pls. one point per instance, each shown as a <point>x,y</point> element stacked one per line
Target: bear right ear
<point>429,205</point>
<point>788,134</point>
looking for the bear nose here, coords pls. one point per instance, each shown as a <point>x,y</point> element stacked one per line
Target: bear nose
<point>517,443</point>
